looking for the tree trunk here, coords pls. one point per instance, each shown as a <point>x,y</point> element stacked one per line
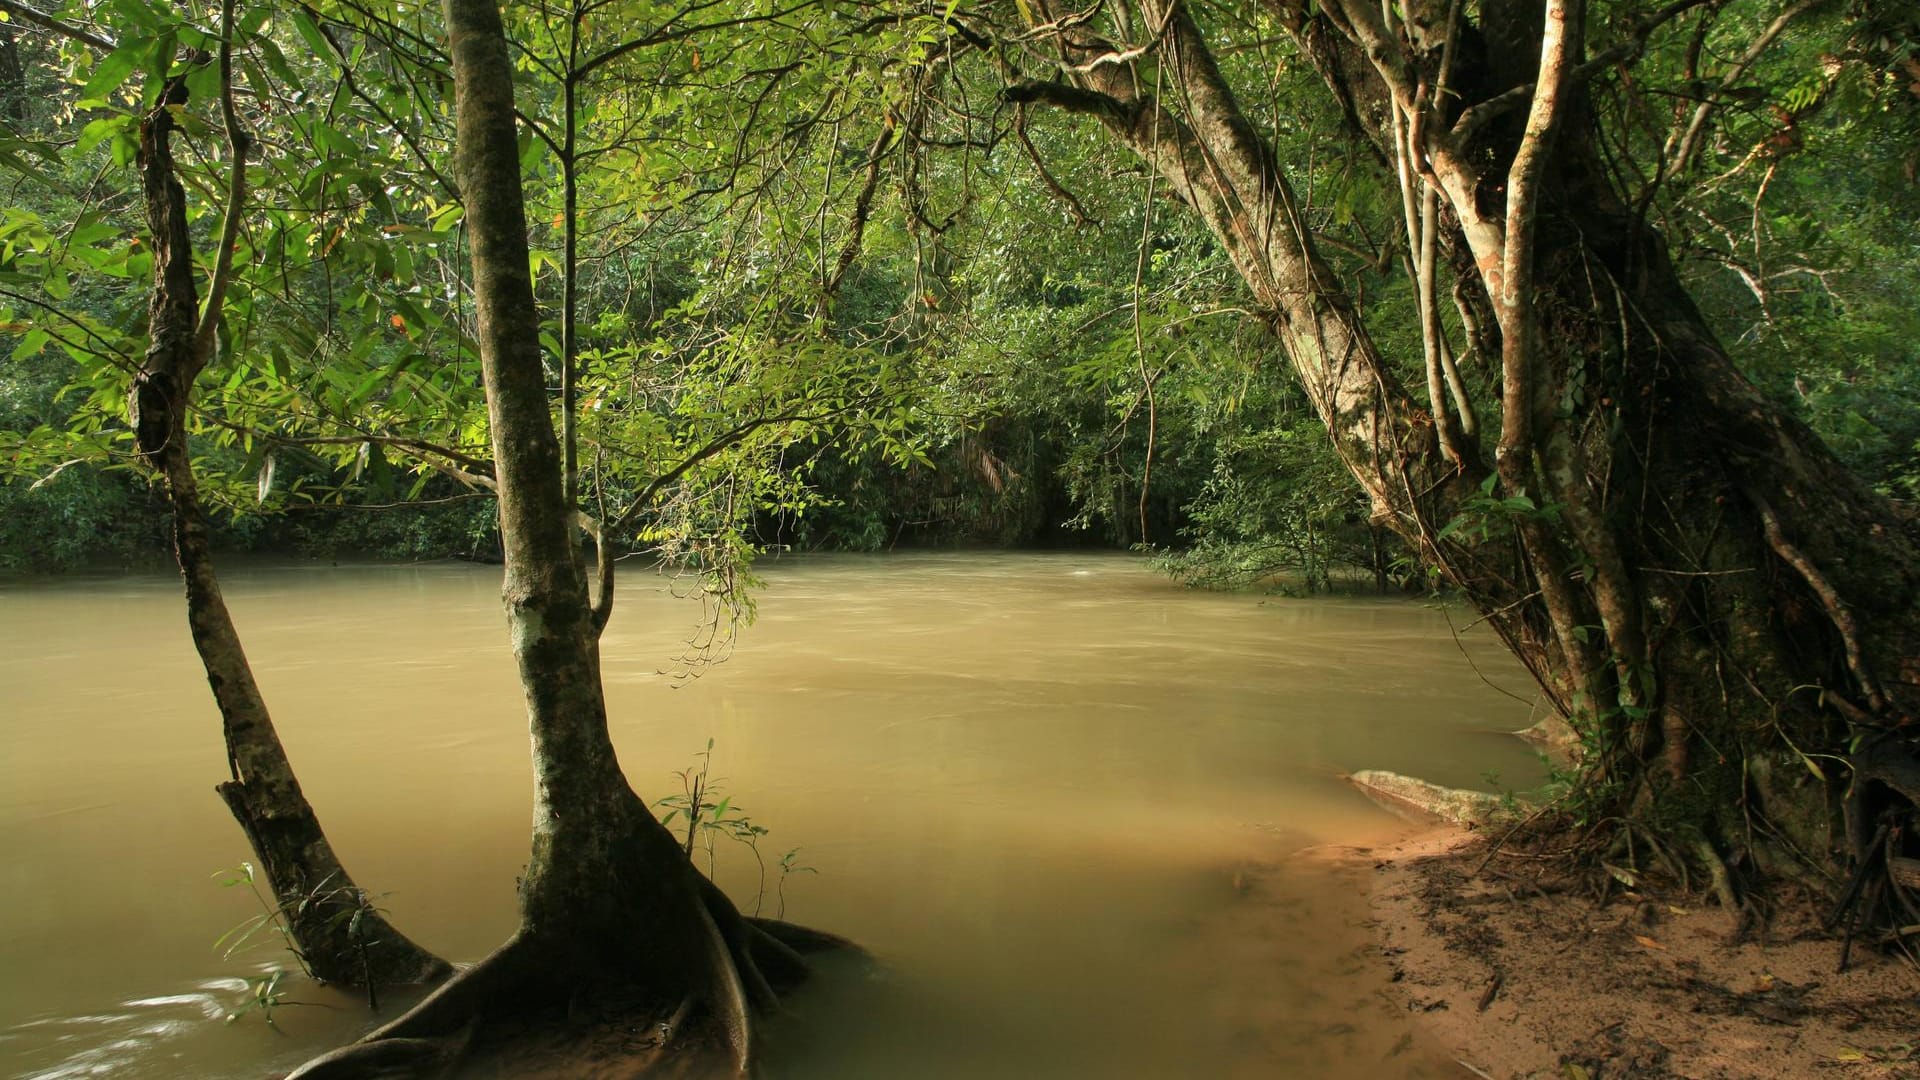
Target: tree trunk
<point>1694,580</point>
<point>601,863</point>
<point>611,907</point>
<point>13,79</point>
<point>337,932</point>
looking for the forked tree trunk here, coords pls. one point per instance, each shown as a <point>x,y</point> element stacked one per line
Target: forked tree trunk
<point>339,935</point>
<point>605,876</point>
<point>611,908</point>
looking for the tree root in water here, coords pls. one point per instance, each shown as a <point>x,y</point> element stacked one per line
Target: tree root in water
<point>523,1000</point>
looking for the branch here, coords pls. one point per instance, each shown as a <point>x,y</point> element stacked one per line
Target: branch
<point>1689,142</point>
<point>1059,192</point>
<point>353,87</point>
<point>114,353</point>
<point>1829,597</point>
<point>1071,99</point>
<point>600,604</point>
<point>464,467</point>
<point>862,210</point>
<point>1121,57</point>
<point>1477,116</point>
<point>47,22</point>
<point>718,444</point>
<point>237,143</point>
<point>662,35</point>
<point>1069,21</point>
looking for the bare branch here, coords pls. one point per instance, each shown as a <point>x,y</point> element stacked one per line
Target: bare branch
<point>1681,151</point>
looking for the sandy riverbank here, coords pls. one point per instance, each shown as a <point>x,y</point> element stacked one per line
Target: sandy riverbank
<point>1519,974</point>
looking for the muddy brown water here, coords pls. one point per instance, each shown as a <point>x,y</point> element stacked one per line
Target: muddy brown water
<point>1069,805</point>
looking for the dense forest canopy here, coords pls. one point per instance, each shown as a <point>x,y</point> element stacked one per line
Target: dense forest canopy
<point>1595,313</point>
<point>1018,310</point>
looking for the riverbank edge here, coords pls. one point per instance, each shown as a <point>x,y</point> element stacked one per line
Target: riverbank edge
<point>1520,978</point>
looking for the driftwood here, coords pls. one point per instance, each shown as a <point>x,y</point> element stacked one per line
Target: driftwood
<point>1404,794</point>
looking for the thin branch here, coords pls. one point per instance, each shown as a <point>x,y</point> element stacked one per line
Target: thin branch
<point>662,35</point>
<point>718,444</point>
<point>1071,99</point>
<point>862,210</point>
<point>47,22</point>
<point>1689,142</point>
<point>1837,610</point>
<point>238,141</point>
<point>1059,191</point>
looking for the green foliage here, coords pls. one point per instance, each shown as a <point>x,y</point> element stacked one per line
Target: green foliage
<point>991,363</point>
<point>1486,511</point>
<point>710,817</point>
<point>347,906</point>
<point>265,992</point>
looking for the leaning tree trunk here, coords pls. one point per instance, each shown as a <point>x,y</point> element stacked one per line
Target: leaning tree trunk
<point>1750,608</point>
<point>1696,582</point>
<point>339,936</point>
<point>611,907</point>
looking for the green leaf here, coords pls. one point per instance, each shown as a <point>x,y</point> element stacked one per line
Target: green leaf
<point>203,83</point>
<point>113,69</point>
<point>310,33</point>
<point>98,131</point>
<point>31,343</point>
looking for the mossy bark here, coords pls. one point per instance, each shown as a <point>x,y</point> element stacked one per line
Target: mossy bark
<point>1693,579</point>
<point>611,908</point>
<point>339,935</point>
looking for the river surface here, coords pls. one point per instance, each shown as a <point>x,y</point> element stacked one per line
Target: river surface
<point>1070,806</point>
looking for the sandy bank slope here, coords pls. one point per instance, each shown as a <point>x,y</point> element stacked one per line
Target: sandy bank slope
<point>1522,976</point>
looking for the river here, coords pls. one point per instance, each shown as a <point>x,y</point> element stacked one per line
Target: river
<point>1069,805</point>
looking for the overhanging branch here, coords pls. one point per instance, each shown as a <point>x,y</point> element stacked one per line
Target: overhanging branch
<point>1073,99</point>
<point>44,21</point>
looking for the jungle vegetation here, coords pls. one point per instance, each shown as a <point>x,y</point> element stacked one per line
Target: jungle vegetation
<point>1596,314</point>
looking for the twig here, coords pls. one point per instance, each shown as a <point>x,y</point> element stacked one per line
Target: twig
<point>1492,991</point>
<point>1829,597</point>
<point>1458,644</point>
<point>1511,833</point>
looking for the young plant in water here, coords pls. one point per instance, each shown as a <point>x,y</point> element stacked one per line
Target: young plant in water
<point>789,864</point>
<point>271,917</point>
<point>266,992</point>
<point>708,821</point>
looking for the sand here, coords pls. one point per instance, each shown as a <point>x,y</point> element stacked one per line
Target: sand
<point>1518,974</point>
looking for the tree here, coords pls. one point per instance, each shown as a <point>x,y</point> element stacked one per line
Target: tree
<point>334,927</point>
<point>1722,611</point>
<point>611,906</point>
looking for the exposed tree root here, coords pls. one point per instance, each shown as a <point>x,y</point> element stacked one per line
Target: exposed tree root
<point>525,1000</point>
<point>1883,829</point>
<point>393,1059</point>
<point>1722,881</point>
<point>728,977</point>
<point>1878,902</point>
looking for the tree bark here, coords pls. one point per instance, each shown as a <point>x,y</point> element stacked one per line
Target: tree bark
<point>586,819</point>
<point>337,932</point>
<point>610,906</point>
<point>1690,574</point>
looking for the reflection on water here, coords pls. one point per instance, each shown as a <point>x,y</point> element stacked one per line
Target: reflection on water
<point>1059,797</point>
